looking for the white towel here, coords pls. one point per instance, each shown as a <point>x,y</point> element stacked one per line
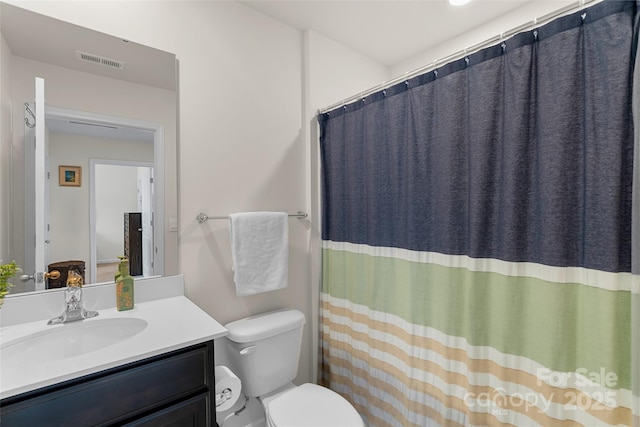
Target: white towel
<point>259,251</point>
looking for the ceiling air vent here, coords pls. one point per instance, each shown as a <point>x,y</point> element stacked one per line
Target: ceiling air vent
<point>100,60</point>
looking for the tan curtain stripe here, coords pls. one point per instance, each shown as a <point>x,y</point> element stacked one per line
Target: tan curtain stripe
<point>476,418</point>
<point>376,383</point>
<point>558,395</point>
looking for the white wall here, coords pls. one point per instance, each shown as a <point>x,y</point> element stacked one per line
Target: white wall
<point>6,137</point>
<point>335,72</point>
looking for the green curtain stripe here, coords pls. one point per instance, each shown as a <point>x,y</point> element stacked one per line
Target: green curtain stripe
<point>521,316</point>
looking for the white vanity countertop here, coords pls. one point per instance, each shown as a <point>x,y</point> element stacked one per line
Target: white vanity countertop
<point>173,323</point>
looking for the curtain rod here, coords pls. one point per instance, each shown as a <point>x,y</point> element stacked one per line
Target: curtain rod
<point>570,8</point>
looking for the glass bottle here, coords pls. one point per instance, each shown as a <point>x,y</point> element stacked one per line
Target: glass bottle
<point>124,286</point>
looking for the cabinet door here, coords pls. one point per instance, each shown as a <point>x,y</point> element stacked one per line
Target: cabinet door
<point>119,395</point>
<point>190,413</point>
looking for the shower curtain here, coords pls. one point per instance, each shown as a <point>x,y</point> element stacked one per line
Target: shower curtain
<point>481,236</point>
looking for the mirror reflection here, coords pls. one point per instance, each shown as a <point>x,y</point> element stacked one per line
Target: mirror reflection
<point>110,119</point>
<point>116,165</point>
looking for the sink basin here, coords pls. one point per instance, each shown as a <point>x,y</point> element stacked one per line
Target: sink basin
<point>68,340</point>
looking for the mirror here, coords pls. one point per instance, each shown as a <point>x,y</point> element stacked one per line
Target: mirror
<point>111,113</point>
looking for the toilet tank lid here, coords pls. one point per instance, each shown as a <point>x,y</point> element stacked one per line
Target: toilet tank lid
<point>264,325</point>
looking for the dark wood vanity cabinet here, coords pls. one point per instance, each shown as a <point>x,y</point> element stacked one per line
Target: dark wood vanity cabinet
<point>174,389</point>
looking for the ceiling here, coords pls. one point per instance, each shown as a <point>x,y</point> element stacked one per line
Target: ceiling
<point>387,31</point>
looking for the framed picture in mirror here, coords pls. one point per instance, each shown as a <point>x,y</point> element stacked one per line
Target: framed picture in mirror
<point>70,176</point>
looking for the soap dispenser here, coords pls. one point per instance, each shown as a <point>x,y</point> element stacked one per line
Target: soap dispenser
<point>124,286</point>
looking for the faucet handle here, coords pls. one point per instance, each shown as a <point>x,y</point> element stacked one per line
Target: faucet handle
<point>27,277</point>
<point>53,274</point>
<point>39,277</point>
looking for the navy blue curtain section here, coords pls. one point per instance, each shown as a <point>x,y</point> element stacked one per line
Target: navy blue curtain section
<point>520,152</point>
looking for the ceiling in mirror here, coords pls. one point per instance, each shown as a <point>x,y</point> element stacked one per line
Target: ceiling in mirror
<point>99,130</point>
<point>140,64</point>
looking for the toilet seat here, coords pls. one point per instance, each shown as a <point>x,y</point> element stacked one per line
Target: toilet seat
<point>311,405</point>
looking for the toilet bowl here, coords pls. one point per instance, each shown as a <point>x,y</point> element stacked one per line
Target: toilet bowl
<point>264,354</point>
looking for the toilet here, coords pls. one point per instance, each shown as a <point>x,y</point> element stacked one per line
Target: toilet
<point>264,353</point>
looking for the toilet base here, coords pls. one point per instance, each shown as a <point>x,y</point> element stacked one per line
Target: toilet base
<point>253,415</point>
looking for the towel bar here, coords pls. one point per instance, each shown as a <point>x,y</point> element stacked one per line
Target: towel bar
<point>204,217</point>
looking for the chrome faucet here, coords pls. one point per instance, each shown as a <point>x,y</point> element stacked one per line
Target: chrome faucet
<point>73,310</point>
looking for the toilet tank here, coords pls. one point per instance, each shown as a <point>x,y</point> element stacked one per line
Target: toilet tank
<point>265,350</point>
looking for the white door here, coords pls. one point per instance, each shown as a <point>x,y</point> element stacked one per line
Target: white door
<point>145,205</point>
<point>37,189</point>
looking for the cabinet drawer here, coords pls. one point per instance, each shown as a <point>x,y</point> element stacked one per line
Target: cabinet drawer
<point>190,413</point>
<point>117,394</point>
